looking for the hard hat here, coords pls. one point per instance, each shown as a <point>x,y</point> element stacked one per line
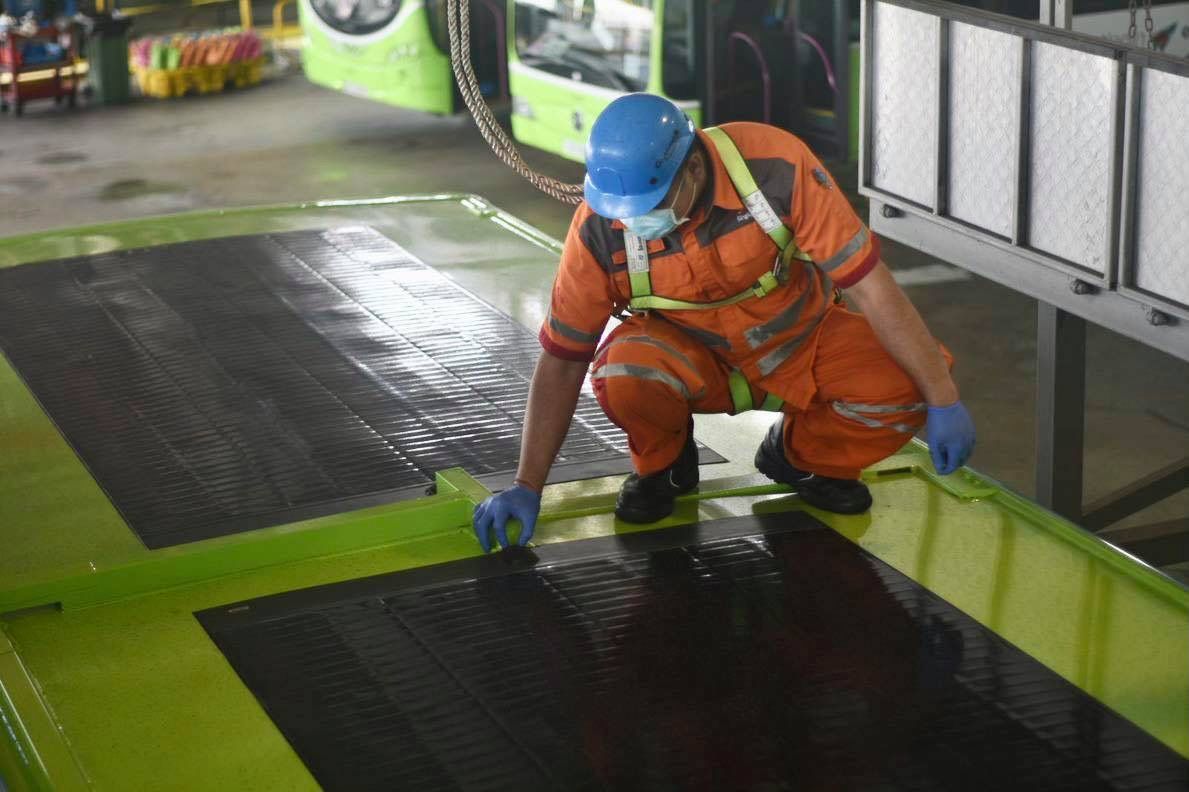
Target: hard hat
<point>636,146</point>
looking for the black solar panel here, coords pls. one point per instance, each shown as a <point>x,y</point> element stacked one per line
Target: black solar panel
<point>229,384</point>
<point>754,653</point>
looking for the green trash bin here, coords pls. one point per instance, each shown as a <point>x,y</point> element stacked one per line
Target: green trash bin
<point>107,59</point>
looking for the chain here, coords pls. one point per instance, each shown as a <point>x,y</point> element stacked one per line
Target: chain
<point>458,19</point>
<point>1148,24</point>
<point>1131,7</point>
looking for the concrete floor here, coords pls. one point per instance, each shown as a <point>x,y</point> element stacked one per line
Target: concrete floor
<point>289,141</point>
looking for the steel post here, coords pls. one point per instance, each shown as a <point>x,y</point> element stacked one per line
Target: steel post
<point>1060,409</point>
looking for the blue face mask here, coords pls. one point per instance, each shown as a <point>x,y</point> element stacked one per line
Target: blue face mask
<point>657,223</point>
<point>654,225</point>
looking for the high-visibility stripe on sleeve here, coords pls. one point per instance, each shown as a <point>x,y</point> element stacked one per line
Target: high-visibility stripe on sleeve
<point>849,249</point>
<point>861,271</point>
<point>559,351</point>
<point>572,333</point>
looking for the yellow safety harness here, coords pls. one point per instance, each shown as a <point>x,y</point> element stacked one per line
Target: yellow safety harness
<point>640,278</point>
<point>639,269</point>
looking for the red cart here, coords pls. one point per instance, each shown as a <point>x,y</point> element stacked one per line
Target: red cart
<point>22,81</point>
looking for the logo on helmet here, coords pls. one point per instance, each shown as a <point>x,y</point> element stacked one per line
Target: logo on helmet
<point>668,152</point>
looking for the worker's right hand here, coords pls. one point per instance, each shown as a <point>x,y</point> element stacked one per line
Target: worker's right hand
<point>518,502</point>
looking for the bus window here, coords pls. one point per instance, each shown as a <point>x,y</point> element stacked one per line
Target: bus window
<point>356,17</point>
<point>599,42</point>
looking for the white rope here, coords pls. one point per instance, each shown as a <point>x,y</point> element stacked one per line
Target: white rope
<point>458,19</point>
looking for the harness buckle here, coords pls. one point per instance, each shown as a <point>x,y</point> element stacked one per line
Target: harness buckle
<point>780,268</point>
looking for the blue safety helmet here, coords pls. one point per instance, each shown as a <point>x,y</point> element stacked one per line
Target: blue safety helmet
<point>636,146</point>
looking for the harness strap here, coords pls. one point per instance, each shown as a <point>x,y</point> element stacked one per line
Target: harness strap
<point>753,198</point>
<point>760,208</point>
<point>741,395</point>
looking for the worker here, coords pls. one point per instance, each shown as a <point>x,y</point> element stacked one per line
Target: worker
<point>729,250</point>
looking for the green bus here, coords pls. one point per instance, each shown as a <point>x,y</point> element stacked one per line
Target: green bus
<point>561,61</point>
<point>398,51</point>
<point>784,63</point>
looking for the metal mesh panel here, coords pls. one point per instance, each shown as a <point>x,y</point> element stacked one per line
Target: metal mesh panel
<point>983,126</point>
<point>1071,154</point>
<point>1162,225</point>
<point>751,653</point>
<point>904,96</point>
<point>224,385</point>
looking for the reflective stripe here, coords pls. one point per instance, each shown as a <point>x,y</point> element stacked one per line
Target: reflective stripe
<point>849,249</point>
<point>661,345</point>
<point>852,411</point>
<point>706,337</point>
<point>572,333</point>
<point>884,409</point>
<point>758,336</point>
<point>771,361</point>
<point>644,373</point>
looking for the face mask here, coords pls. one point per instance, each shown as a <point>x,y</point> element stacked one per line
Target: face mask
<point>657,223</point>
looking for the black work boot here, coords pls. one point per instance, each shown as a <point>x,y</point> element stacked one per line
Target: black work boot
<point>645,499</point>
<point>842,496</point>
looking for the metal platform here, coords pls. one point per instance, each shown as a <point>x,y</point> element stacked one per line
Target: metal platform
<point>108,682</point>
<point>224,385</point>
<point>759,652</point>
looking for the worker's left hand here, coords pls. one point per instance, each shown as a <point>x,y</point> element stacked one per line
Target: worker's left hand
<point>950,431</point>
<point>517,502</point>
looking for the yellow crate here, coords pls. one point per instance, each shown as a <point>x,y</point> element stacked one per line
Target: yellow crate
<point>170,83</point>
<point>247,73</point>
<point>160,83</point>
<point>208,79</point>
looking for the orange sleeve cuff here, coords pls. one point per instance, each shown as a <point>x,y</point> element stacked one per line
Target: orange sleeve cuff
<point>559,351</point>
<point>862,269</point>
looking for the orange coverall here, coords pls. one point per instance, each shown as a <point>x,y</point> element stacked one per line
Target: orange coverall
<point>851,404</point>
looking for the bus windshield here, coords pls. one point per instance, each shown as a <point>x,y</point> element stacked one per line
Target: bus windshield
<point>356,17</point>
<point>600,42</point>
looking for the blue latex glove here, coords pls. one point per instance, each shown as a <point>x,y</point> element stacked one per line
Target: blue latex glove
<point>518,502</point>
<point>951,437</point>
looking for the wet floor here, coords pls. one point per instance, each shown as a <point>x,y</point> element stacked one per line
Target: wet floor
<point>289,141</point>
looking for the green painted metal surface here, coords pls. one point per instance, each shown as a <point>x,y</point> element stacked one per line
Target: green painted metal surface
<point>55,522</point>
<point>112,683</point>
